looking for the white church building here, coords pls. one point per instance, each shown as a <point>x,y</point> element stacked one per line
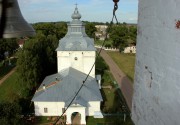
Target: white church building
<point>75,55</point>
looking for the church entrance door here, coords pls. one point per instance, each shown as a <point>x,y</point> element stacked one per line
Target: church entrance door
<point>76,118</point>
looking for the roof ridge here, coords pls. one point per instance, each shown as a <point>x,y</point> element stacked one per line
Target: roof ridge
<point>48,86</point>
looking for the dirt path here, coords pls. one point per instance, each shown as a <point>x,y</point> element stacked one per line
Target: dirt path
<point>6,76</point>
<point>123,81</point>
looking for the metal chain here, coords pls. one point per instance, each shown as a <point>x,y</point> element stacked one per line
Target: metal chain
<point>114,11</point>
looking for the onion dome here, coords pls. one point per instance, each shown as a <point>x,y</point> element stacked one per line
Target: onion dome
<point>76,38</point>
<point>76,15</point>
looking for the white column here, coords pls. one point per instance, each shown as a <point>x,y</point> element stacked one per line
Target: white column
<point>83,117</point>
<point>68,117</point>
<point>156,99</point>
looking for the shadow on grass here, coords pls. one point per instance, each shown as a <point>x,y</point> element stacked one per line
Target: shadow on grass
<point>118,113</point>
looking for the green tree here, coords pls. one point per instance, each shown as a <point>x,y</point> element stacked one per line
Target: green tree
<point>118,35</point>
<point>61,29</point>
<point>90,29</point>
<point>37,59</point>
<point>45,28</point>
<point>123,35</point>
<point>9,45</point>
<point>58,29</point>
<point>10,113</point>
<point>133,33</point>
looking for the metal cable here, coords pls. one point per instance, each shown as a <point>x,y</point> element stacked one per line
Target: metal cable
<point>114,15</point>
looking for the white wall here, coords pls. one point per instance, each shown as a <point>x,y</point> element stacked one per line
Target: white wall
<point>54,108</point>
<point>156,99</point>
<point>94,106</point>
<point>84,62</point>
<point>130,49</point>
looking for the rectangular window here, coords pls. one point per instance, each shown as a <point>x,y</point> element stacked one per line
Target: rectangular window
<point>63,109</point>
<point>45,110</point>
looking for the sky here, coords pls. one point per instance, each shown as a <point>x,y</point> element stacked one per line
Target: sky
<point>91,10</point>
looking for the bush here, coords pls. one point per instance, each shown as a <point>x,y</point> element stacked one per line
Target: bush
<point>108,45</point>
<point>10,113</point>
<point>101,66</point>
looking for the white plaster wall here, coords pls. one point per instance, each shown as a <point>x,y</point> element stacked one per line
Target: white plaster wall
<point>63,60</point>
<point>156,99</point>
<point>84,62</point>
<point>54,108</point>
<point>79,109</point>
<point>131,49</point>
<point>94,106</point>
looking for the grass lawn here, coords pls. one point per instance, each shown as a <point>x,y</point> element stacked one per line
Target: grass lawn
<point>41,119</point>
<point>10,89</point>
<point>109,100</point>
<point>109,120</point>
<point>114,101</point>
<point>126,62</point>
<point>100,42</point>
<point>108,94</point>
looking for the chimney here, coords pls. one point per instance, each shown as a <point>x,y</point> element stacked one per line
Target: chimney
<point>44,87</point>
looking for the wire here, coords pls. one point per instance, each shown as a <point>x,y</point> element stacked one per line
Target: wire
<point>114,15</point>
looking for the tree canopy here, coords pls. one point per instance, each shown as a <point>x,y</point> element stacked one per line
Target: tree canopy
<point>90,29</point>
<point>37,59</point>
<point>9,113</point>
<point>122,35</point>
<point>9,45</point>
<point>58,29</point>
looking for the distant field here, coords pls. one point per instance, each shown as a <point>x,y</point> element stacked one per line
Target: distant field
<point>126,62</point>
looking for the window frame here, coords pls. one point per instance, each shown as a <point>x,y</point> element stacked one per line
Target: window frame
<point>45,110</point>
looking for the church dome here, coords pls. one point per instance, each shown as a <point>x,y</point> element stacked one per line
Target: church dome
<point>76,15</point>
<point>76,38</point>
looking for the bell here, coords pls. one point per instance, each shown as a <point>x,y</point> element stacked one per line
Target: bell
<point>12,23</point>
<point>115,1</point>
